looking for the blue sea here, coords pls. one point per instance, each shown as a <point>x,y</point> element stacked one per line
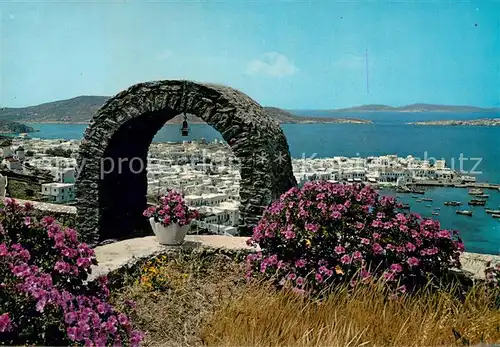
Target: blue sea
<point>479,148</point>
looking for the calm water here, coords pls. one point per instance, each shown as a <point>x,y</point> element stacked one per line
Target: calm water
<point>387,135</point>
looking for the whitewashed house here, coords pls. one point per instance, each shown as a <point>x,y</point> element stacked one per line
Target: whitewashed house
<point>59,192</point>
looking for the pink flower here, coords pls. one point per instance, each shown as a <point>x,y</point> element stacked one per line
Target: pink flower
<point>336,215</point>
<point>396,268</point>
<point>312,227</point>
<point>376,236</point>
<point>389,276</point>
<point>319,278</point>
<point>357,255</point>
<point>300,263</point>
<point>345,259</point>
<point>412,261</point>
<point>62,267</point>
<point>339,250</point>
<point>5,323</point>
<point>365,241</point>
<point>445,234</point>
<point>300,281</point>
<point>359,225</point>
<point>410,246</point>
<point>27,221</point>
<point>377,249</point>
<point>292,276</point>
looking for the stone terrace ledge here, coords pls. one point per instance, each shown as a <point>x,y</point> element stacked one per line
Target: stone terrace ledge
<point>116,255</point>
<point>44,206</point>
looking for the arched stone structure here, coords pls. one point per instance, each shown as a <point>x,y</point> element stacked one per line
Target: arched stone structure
<point>110,199</point>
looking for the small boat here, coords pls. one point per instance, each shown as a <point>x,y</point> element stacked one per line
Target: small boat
<point>418,200</point>
<point>475,192</point>
<point>414,197</point>
<point>465,212</point>
<point>476,202</point>
<point>492,211</point>
<point>435,213</point>
<point>418,192</point>
<point>426,199</point>
<point>483,196</point>
<point>437,208</point>
<point>495,215</point>
<point>453,203</point>
<point>428,205</point>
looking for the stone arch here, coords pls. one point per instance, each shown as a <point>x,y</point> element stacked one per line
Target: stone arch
<point>110,205</point>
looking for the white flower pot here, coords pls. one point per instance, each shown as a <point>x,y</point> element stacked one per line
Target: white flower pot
<point>172,235</point>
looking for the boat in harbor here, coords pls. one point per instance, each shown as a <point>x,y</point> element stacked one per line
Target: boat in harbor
<point>452,203</point>
<point>477,202</point>
<point>495,215</point>
<point>418,192</point>
<point>488,211</point>
<point>475,192</point>
<point>437,208</point>
<point>426,199</point>
<point>435,213</point>
<point>483,196</point>
<point>465,212</point>
<point>418,200</point>
<point>428,205</point>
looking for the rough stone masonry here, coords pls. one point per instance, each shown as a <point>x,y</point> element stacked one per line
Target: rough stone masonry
<point>111,187</point>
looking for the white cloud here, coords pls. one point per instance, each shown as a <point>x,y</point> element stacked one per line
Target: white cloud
<point>272,64</point>
<point>164,55</point>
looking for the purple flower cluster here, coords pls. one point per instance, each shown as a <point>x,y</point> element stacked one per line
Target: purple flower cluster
<point>326,233</point>
<point>173,209</point>
<point>43,268</point>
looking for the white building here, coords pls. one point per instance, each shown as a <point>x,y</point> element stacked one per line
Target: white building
<point>12,163</point>
<point>20,153</point>
<point>7,151</point>
<point>65,175</point>
<point>59,192</point>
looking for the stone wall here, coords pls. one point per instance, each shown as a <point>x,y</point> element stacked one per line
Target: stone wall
<point>111,195</point>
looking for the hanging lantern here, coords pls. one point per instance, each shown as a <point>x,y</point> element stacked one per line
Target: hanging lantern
<point>185,130</point>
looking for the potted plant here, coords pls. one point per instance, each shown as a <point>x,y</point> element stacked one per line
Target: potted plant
<point>170,220</point>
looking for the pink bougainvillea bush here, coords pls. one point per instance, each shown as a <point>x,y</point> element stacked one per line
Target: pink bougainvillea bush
<point>327,233</point>
<point>44,298</point>
<point>173,209</point>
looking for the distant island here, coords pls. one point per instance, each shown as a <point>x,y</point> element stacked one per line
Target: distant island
<point>492,122</point>
<point>10,127</point>
<point>82,108</point>
<point>416,108</point>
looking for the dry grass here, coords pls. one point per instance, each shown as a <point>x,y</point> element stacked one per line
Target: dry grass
<point>212,305</point>
<point>261,316</point>
<point>175,317</point>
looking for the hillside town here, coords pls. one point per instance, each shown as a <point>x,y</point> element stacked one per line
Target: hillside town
<point>208,175</point>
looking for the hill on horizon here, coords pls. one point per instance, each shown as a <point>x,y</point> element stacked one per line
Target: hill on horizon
<point>81,109</point>
<point>420,107</point>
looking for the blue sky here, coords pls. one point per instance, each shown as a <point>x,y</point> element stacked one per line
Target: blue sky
<point>295,55</point>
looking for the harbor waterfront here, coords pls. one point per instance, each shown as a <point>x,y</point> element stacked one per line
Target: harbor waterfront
<point>481,232</point>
